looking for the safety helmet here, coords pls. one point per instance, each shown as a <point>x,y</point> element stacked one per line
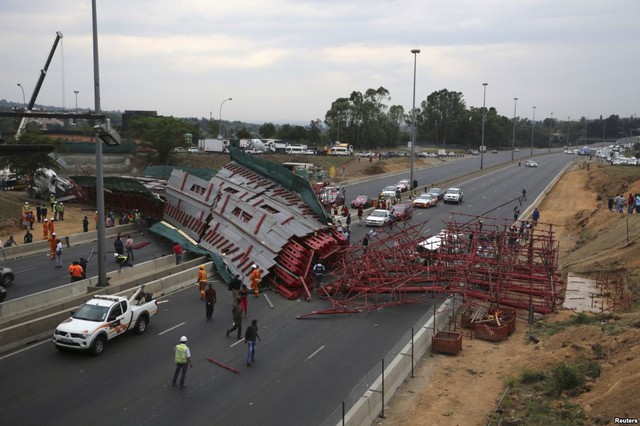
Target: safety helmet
<point>183,339</point>
<point>115,254</point>
<point>254,266</point>
<point>201,266</point>
<point>53,233</point>
<point>46,220</point>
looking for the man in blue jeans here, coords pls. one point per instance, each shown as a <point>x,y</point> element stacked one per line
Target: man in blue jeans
<point>250,337</point>
<point>183,362</point>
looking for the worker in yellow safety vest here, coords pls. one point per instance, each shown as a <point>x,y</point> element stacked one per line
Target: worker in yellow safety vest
<point>183,361</point>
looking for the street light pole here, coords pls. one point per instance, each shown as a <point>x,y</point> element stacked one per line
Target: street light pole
<point>220,115</point>
<point>484,115</point>
<point>413,119</point>
<point>513,138</point>
<point>533,124</point>
<point>24,101</point>
<point>76,92</point>
<point>550,130</point>
<point>102,270</point>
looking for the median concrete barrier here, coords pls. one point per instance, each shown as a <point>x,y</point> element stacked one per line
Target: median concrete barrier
<point>42,246</point>
<point>369,406</point>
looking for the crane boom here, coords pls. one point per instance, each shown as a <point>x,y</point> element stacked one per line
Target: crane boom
<point>43,74</point>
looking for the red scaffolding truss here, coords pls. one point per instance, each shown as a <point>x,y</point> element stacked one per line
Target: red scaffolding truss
<point>488,259</point>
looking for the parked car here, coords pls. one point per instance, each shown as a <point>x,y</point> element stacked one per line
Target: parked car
<point>453,195</point>
<point>494,151</point>
<point>530,163</point>
<point>365,201</point>
<point>330,195</point>
<point>403,185</point>
<point>378,217</point>
<point>425,201</point>
<point>402,211</point>
<point>437,192</point>
<point>388,192</point>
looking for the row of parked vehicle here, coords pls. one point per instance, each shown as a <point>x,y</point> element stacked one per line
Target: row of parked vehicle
<point>403,211</point>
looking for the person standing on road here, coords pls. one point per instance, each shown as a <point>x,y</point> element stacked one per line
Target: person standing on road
<point>236,314</point>
<point>60,212</point>
<point>202,280</point>
<point>516,213</point>
<point>210,300</point>
<point>128,244</point>
<point>183,361</point>
<point>85,224</point>
<point>318,270</point>
<point>76,272</point>
<point>255,278</point>
<point>53,242</point>
<point>244,302</point>
<point>365,243</point>
<point>524,194</point>
<point>118,246</point>
<point>360,214</point>
<point>83,263</point>
<point>58,254</point>
<point>39,212</point>
<point>51,226</point>
<point>250,337</point>
<point>177,252</point>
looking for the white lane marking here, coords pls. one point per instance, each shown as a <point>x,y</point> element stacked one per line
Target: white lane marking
<point>26,270</point>
<point>172,328</point>
<point>315,353</point>
<point>239,341</point>
<point>25,349</point>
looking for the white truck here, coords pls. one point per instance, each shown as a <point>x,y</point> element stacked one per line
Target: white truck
<point>212,145</point>
<point>102,318</point>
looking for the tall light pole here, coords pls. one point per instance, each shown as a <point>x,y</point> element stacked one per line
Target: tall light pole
<point>533,124</point>
<point>413,118</point>
<point>220,116</point>
<point>568,128</point>
<point>550,130</point>
<point>24,101</point>
<point>76,92</point>
<point>102,270</point>
<point>484,115</point>
<point>513,138</point>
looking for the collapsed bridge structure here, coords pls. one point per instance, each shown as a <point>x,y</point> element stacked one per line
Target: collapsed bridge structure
<point>254,212</point>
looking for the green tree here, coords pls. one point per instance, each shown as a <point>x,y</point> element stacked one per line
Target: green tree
<point>314,131</point>
<point>267,130</point>
<point>439,114</point>
<point>243,134</point>
<point>163,134</point>
<point>26,164</point>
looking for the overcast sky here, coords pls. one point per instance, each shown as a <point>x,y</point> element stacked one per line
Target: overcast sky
<point>286,61</point>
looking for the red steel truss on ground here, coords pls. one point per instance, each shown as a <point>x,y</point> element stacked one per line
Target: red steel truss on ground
<point>488,259</point>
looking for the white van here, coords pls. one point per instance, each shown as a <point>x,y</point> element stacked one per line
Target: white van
<point>295,150</point>
<point>338,150</point>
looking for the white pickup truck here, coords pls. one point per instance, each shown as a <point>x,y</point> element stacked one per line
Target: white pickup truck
<point>101,319</point>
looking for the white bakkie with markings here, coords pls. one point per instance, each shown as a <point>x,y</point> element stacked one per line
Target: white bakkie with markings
<point>102,318</point>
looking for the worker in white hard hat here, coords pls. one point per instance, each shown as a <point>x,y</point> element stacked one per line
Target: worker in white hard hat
<point>183,361</point>
<point>255,279</point>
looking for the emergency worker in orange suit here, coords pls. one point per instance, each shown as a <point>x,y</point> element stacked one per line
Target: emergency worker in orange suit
<point>202,281</point>
<point>51,226</point>
<point>45,229</point>
<point>255,278</point>
<point>53,242</point>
